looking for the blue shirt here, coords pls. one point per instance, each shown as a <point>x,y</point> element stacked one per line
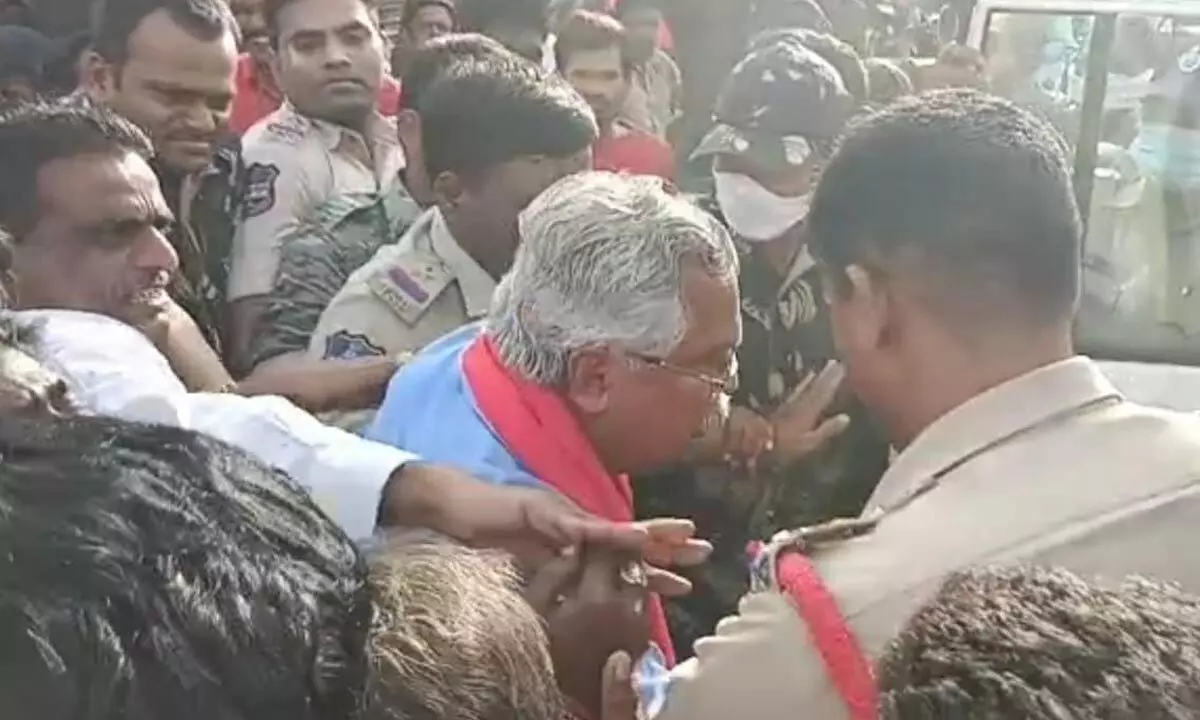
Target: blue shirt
<point>430,410</point>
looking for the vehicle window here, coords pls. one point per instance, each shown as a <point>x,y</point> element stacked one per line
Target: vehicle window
<point>1142,250</point>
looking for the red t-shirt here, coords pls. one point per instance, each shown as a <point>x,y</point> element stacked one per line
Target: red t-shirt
<point>256,96</point>
<point>626,149</point>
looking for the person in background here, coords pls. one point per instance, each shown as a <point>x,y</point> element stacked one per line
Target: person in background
<point>886,81</point>
<point>590,53</point>
<point>420,22</point>
<point>1035,644</point>
<point>496,132</point>
<point>607,348</point>
<point>23,57</point>
<point>801,450</point>
<point>168,67</point>
<point>655,96</point>
<point>519,25</point>
<point>949,239</point>
<point>327,139</point>
<point>258,94</point>
<point>319,258</point>
<point>258,90</point>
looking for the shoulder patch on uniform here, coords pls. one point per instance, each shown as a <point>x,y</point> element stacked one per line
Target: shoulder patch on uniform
<point>260,189</point>
<point>290,130</point>
<point>410,284</point>
<point>345,345</point>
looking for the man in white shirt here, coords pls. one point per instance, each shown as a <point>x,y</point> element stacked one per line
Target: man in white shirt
<point>112,369</point>
<point>948,235</point>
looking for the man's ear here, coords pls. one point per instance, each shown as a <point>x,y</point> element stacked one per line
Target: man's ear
<point>589,379</point>
<point>864,300</point>
<point>408,129</point>
<point>98,77</point>
<point>448,190</point>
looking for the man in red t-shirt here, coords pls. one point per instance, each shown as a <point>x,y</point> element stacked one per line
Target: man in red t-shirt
<point>590,54</point>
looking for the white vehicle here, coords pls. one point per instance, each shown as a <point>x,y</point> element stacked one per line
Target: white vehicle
<point>1121,79</point>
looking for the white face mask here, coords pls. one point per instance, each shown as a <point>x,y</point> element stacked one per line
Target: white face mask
<point>755,213</point>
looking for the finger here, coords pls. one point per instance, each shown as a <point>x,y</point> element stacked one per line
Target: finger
<point>618,700</point>
<point>824,433</point>
<point>691,553</point>
<point>556,524</point>
<point>667,584</point>
<point>551,580</point>
<point>818,395</point>
<point>668,530</point>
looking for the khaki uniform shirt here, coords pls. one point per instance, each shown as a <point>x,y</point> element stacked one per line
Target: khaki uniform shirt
<point>293,165</point>
<point>410,294</point>
<point>316,262</point>
<point>1053,468</point>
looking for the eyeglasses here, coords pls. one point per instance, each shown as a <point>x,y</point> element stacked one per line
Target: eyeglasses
<point>726,385</point>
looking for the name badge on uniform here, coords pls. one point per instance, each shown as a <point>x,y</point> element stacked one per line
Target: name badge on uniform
<point>410,285</point>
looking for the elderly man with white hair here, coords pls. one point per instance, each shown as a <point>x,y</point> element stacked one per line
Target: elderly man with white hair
<point>608,347</point>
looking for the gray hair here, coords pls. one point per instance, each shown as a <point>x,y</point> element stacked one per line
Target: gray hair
<point>601,263</point>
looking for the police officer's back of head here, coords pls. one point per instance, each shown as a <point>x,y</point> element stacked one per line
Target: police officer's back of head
<point>149,572</point>
<point>950,237</point>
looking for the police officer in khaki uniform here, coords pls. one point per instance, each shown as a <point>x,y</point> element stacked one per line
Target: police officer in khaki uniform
<point>495,133</point>
<point>948,236</point>
<point>327,138</point>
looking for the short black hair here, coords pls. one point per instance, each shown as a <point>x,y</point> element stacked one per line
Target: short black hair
<point>841,55</point>
<point>586,31</point>
<point>431,60</point>
<point>412,7</point>
<point>1037,644</point>
<point>115,21</point>
<point>966,191</point>
<point>36,134</point>
<point>486,112</point>
<point>483,15</point>
<point>272,9</point>
<point>150,572</point>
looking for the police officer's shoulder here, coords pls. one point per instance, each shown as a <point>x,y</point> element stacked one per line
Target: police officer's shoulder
<point>807,541</point>
<point>284,128</point>
<point>410,282</point>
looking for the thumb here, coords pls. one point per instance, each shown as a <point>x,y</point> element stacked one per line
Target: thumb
<point>618,700</point>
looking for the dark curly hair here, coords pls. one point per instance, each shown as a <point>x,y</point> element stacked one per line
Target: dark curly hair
<point>1028,644</point>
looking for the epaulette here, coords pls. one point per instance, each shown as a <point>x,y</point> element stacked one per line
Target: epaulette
<point>764,557</point>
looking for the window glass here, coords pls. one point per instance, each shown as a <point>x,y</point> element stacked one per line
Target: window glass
<point>1142,250</point>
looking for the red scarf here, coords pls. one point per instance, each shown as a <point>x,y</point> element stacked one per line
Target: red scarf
<point>538,429</point>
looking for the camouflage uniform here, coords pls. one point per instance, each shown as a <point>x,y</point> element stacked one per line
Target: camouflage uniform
<point>779,106</point>
<point>294,165</point>
<point>317,260</point>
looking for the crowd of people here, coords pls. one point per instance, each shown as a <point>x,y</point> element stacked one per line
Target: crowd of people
<point>436,376</point>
